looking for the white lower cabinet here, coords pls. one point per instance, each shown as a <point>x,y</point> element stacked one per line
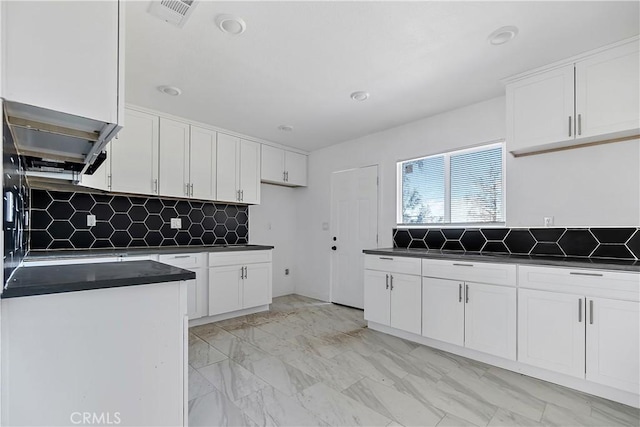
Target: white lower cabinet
<point>592,338</point>
<point>392,298</point>
<point>443,310</point>
<point>551,331</point>
<point>239,280</point>
<point>474,315</point>
<point>613,343</point>
<point>198,288</point>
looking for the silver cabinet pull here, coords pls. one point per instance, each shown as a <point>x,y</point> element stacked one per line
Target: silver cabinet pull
<point>569,125</point>
<point>387,282</point>
<point>186,189</point>
<point>241,195</point>
<point>287,176</point>
<point>284,176</point>
<point>246,272</point>
<point>466,292</point>
<point>191,189</point>
<point>155,186</point>
<point>391,280</point>
<point>591,312</point>
<point>181,256</point>
<point>242,272</point>
<point>386,257</point>
<point>459,292</point>
<point>109,181</point>
<point>238,195</point>
<point>579,124</point>
<point>579,273</point>
<point>462,265</point>
<point>580,310</point>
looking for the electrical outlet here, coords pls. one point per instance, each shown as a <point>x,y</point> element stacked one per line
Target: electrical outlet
<point>176,223</point>
<point>91,220</point>
<point>286,271</point>
<point>548,221</point>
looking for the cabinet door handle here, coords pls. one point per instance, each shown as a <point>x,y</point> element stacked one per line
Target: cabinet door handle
<point>579,273</point>
<point>242,272</point>
<point>459,292</point>
<point>241,195</point>
<point>387,282</point>
<point>591,312</point>
<point>386,257</point>
<point>246,272</point>
<point>466,293</point>
<point>155,186</point>
<point>569,125</point>
<point>462,265</point>
<point>580,310</point>
<point>109,181</point>
<point>181,256</point>
<point>391,280</point>
<point>284,176</point>
<point>238,195</point>
<point>287,174</point>
<point>579,124</point>
<point>186,189</point>
<point>191,189</point>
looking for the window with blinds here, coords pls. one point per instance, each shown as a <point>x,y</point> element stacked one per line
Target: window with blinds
<point>459,187</point>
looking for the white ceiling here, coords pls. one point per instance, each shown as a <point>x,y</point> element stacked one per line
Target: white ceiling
<point>298,62</point>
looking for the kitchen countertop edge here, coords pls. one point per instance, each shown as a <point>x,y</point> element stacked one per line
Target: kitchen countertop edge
<point>603,264</point>
<point>96,253</point>
<point>46,280</point>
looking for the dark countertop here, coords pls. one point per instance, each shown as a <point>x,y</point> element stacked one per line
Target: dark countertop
<point>93,253</point>
<point>28,281</point>
<point>602,264</point>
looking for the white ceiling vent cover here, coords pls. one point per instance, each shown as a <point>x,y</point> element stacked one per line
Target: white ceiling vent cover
<point>175,12</point>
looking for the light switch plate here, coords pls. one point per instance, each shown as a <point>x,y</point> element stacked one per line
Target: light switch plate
<point>91,220</point>
<point>176,223</point>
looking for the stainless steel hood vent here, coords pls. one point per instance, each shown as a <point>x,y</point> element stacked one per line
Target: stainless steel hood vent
<point>52,141</point>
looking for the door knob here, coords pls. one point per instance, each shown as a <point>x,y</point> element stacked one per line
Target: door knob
<point>333,248</point>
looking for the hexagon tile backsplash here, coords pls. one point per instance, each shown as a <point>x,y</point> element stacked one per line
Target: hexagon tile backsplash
<point>594,242</point>
<point>59,221</point>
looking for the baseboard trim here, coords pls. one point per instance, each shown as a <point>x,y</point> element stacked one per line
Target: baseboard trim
<point>225,316</point>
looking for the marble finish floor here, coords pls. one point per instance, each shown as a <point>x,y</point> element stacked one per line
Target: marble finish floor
<point>310,363</point>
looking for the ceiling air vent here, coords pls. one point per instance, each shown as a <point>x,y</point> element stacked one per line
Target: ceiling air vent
<point>175,12</point>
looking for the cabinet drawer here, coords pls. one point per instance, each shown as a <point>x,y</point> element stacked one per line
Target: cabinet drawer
<point>238,257</point>
<point>392,264</point>
<point>480,272</point>
<point>590,282</point>
<point>187,261</point>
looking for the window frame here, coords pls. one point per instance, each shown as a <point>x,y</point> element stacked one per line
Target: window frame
<point>447,189</point>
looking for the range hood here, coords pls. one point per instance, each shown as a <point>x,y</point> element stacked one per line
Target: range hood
<point>55,144</point>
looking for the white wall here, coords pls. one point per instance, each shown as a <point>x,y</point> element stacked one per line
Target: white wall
<point>590,186</point>
<point>564,184</point>
<point>272,222</point>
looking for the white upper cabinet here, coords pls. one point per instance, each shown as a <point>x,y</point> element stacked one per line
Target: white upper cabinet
<point>540,109</point>
<point>65,56</point>
<point>608,91</point>
<point>228,155</point>
<point>134,155</point>
<point>296,168</point>
<point>202,163</point>
<point>238,170</point>
<point>283,167</point>
<point>174,158</point>
<point>589,99</point>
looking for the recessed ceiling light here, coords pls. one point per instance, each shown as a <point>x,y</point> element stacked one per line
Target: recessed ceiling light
<point>503,35</point>
<point>285,128</point>
<point>231,24</point>
<point>170,90</point>
<point>360,96</point>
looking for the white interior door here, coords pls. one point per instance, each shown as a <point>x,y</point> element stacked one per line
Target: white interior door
<point>354,227</point>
